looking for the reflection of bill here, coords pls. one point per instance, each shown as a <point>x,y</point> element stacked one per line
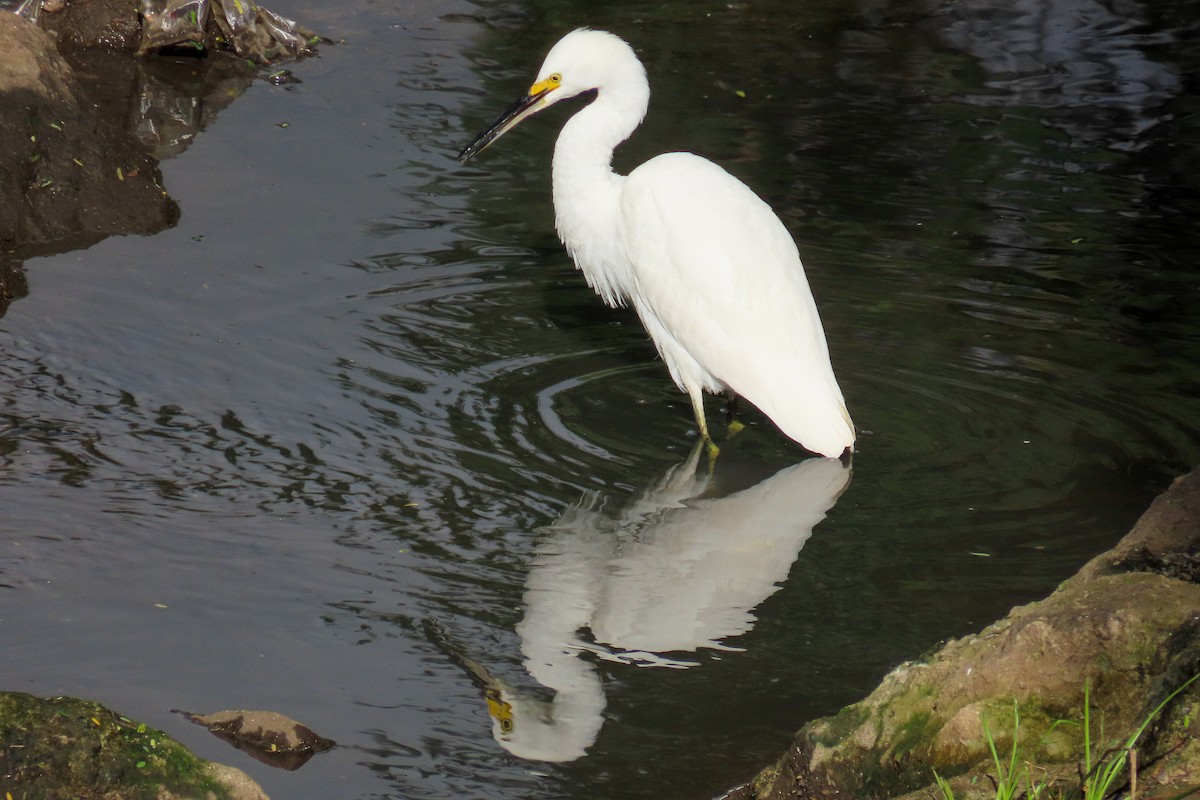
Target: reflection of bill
<point>673,572</point>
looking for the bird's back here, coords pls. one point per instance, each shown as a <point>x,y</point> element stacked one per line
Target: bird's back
<point>720,286</point>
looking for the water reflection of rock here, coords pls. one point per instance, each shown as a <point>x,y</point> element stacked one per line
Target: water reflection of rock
<point>81,138</point>
<point>678,569</point>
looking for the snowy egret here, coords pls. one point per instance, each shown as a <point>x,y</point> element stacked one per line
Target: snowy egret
<point>711,271</point>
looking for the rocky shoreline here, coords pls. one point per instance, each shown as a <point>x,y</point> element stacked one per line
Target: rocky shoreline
<point>1125,630</point>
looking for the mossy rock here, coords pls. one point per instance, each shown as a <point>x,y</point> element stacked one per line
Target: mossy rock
<point>1125,630</point>
<point>63,747</point>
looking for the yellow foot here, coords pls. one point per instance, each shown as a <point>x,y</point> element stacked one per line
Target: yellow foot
<point>711,449</point>
<point>734,429</point>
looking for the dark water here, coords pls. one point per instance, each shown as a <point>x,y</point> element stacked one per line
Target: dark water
<point>354,440</point>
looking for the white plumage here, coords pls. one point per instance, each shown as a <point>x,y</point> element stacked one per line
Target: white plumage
<point>711,271</point>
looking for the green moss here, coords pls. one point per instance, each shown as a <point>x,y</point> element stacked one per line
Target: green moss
<point>916,732</point>
<point>764,780</point>
<point>63,747</point>
<point>835,729</point>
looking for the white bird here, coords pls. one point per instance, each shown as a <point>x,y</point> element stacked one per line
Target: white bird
<point>711,271</point>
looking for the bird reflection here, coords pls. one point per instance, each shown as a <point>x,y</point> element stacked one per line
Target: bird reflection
<point>680,568</point>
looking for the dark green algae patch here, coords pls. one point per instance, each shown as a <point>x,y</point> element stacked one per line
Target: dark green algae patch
<point>63,747</point>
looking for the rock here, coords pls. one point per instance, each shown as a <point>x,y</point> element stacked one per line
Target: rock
<point>29,62</point>
<point>268,736</point>
<point>1127,627</point>
<point>1165,540</point>
<point>63,747</point>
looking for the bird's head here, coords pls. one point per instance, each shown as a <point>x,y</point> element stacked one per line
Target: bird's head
<point>581,61</point>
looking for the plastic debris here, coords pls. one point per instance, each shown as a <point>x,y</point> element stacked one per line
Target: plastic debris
<point>29,9</point>
<point>242,26</point>
<point>172,22</point>
<point>251,31</point>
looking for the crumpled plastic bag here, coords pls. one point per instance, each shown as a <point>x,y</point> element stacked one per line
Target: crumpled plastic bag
<point>251,31</point>
<point>172,22</point>
<point>260,34</point>
<point>29,9</point>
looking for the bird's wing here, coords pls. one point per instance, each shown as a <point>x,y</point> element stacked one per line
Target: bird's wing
<point>721,275</point>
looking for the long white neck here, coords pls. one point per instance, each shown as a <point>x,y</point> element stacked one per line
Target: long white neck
<point>587,192</point>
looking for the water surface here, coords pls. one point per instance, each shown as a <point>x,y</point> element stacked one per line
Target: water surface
<point>354,442</point>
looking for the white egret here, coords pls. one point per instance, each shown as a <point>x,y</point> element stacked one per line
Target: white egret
<point>711,271</point>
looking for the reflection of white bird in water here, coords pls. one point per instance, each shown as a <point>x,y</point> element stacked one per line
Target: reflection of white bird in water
<point>710,269</point>
<point>673,572</point>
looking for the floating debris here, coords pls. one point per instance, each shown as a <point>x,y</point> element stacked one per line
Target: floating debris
<point>243,26</point>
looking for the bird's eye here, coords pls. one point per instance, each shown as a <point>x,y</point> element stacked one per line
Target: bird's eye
<point>555,78</point>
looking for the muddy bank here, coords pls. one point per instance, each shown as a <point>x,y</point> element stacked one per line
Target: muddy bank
<point>86,122</point>
<point>69,175</point>
<point>63,747</point>
<point>1127,626</point>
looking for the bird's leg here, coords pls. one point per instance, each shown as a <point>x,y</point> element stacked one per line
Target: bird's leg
<point>698,409</point>
<point>732,426</point>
